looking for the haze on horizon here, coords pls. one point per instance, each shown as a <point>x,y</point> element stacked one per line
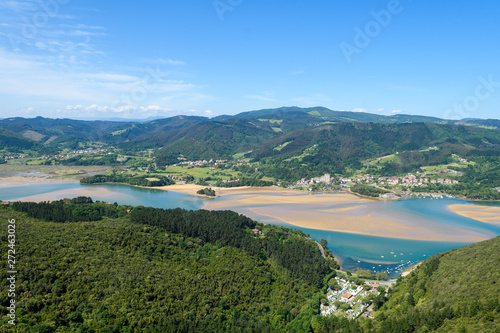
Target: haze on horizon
<point>92,59</point>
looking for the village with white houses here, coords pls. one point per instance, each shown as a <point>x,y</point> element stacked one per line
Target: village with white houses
<point>350,300</point>
<point>409,180</point>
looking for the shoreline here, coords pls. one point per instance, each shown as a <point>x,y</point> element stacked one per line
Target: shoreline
<point>370,225</point>
<point>222,191</point>
<point>485,214</point>
<point>342,212</point>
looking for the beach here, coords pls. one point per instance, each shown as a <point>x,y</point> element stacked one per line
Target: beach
<point>221,191</point>
<point>484,214</point>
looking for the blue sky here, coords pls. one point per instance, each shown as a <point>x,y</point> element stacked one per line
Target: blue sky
<point>140,59</point>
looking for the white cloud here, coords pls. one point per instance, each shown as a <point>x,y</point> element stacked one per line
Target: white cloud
<point>163,61</point>
<point>81,26</point>
<point>19,5</point>
<point>360,110</point>
<point>396,111</point>
<point>380,110</point>
<point>60,68</point>
<point>75,33</point>
<point>261,98</point>
<point>107,77</point>
<point>25,78</point>
<point>104,111</point>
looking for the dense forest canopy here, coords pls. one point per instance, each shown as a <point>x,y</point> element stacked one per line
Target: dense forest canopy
<point>116,268</point>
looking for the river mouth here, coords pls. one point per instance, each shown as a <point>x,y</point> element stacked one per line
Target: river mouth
<point>420,227</point>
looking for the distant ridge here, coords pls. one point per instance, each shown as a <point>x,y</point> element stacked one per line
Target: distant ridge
<point>280,132</point>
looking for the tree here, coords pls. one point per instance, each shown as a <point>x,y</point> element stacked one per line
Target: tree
<point>323,243</point>
<point>410,300</point>
<point>345,306</point>
<point>332,283</point>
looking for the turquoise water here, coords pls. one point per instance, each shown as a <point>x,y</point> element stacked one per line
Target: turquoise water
<point>355,251</point>
<point>122,194</point>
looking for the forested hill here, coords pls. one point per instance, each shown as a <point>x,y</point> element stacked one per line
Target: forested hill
<point>155,270</point>
<point>200,137</point>
<point>456,291</point>
<point>138,269</point>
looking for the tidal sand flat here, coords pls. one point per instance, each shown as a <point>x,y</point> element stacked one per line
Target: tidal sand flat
<point>368,229</point>
<point>339,212</point>
<point>20,181</point>
<point>221,191</point>
<point>290,197</point>
<point>346,213</point>
<point>480,213</point>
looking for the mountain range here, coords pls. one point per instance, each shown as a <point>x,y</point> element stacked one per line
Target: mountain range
<point>282,132</point>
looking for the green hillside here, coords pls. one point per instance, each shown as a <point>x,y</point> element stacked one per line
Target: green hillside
<point>456,291</point>
<point>155,270</point>
<point>338,148</point>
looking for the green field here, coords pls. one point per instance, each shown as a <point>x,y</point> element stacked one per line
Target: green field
<point>283,145</point>
<point>272,121</point>
<point>384,159</point>
<point>200,172</point>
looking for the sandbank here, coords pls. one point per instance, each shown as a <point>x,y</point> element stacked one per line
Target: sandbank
<point>221,191</point>
<point>20,181</point>
<point>486,214</point>
<point>341,212</point>
<point>367,223</point>
<point>271,197</point>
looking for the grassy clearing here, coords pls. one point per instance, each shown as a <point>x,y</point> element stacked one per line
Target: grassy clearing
<point>432,168</point>
<point>118,132</point>
<point>238,156</point>
<point>272,121</point>
<point>384,159</point>
<point>306,152</point>
<point>199,172</point>
<point>283,145</point>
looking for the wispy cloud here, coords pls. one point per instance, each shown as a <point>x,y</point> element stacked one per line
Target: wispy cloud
<point>396,111</point>
<point>23,76</point>
<point>360,110</point>
<point>19,6</point>
<point>58,63</point>
<point>261,98</point>
<point>125,111</point>
<point>163,61</point>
